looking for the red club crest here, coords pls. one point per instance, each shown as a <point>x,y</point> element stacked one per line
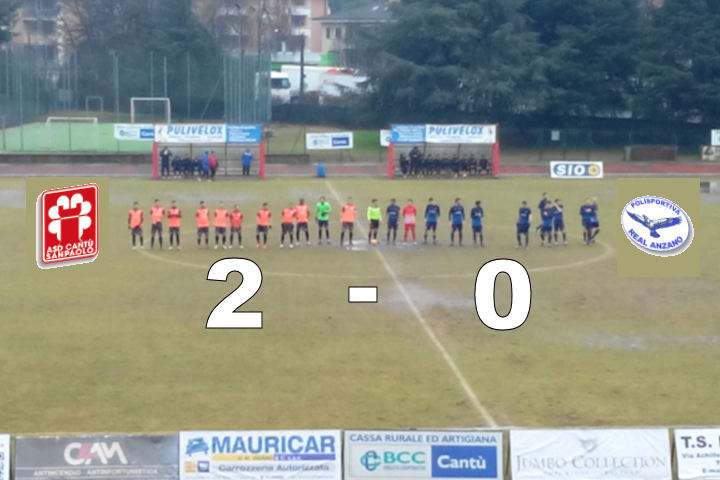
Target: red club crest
<point>67,231</point>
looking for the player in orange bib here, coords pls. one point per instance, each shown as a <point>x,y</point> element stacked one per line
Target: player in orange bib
<point>174,215</point>
<point>202,221</point>
<point>287,217</point>
<point>157,213</point>
<point>302,213</point>
<point>347,217</point>
<point>135,220</point>
<point>263,225</point>
<point>236,218</point>
<point>220,222</point>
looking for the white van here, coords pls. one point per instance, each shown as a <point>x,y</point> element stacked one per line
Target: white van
<point>279,88</point>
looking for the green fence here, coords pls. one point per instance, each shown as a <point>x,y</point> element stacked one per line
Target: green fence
<point>233,88</point>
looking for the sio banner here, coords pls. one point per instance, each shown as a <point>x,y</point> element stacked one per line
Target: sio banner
<point>329,141</point>
<point>698,453</point>
<point>435,133</point>
<point>190,133</point>
<point>385,454</point>
<point>715,137</point>
<point>581,170</point>
<point>590,454</point>
<point>134,131</point>
<point>4,457</point>
<point>97,457</point>
<point>258,455</point>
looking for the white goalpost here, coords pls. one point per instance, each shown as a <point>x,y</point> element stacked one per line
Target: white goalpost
<point>164,100</point>
<point>57,128</point>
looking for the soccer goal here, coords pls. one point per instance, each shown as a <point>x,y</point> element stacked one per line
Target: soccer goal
<point>72,133</point>
<point>147,110</point>
<point>455,151</point>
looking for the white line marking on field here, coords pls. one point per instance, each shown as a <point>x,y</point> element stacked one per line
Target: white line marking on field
<point>484,413</point>
<point>607,253</point>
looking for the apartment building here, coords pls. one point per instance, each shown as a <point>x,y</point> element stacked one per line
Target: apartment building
<point>273,25</point>
<point>38,29</point>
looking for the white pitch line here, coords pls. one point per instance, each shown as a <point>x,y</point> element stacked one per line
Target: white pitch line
<point>484,413</point>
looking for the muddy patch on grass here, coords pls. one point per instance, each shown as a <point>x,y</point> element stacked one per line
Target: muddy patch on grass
<point>12,197</point>
<point>709,192</point>
<point>607,341</point>
<point>427,298</point>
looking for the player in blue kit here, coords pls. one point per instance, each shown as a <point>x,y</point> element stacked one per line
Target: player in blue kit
<point>559,221</point>
<point>393,214</point>
<point>476,216</point>
<point>590,222</point>
<point>594,220</point>
<point>546,215</point>
<point>456,215</point>
<point>432,213</point>
<point>523,224</point>
<point>541,206</point>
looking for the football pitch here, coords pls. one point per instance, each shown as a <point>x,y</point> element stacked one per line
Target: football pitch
<point>121,345</point>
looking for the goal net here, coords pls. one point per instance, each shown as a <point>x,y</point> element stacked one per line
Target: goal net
<point>443,151</point>
<point>72,133</point>
<point>150,110</point>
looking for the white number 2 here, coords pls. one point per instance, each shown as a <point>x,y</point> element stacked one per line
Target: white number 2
<point>520,294</point>
<point>224,314</point>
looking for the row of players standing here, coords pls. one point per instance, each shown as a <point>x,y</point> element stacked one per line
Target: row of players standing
<point>294,221</point>
<point>206,166</point>
<point>418,164</point>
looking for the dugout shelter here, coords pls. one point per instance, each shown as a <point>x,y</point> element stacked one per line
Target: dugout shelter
<point>228,142</point>
<point>445,149</point>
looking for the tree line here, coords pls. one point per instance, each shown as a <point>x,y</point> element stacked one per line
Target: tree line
<point>444,60</point>
<point>656,60</point>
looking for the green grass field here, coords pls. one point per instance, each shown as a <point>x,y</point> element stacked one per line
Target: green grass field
<point>121,344</point>
<point>67,137</point>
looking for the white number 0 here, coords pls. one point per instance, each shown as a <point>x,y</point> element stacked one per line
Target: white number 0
<point>224,314</point>
<point>520,294</point>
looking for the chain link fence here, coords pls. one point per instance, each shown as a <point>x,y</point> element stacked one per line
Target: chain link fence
<point>234,88</point>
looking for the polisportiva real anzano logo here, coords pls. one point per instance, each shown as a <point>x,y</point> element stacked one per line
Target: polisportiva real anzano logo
<point>657,226</point>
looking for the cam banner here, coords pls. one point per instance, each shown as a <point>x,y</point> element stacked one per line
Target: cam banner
<point>697,453</point>
<point>386,454</point>
<point>261,455</point>
<point>97,457</point>
<point>190,133</point>
<point>478,134</point>
<point>4,457</point>
<point>134,131</point>
<point>329,141</point>
<point>613,454</point>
